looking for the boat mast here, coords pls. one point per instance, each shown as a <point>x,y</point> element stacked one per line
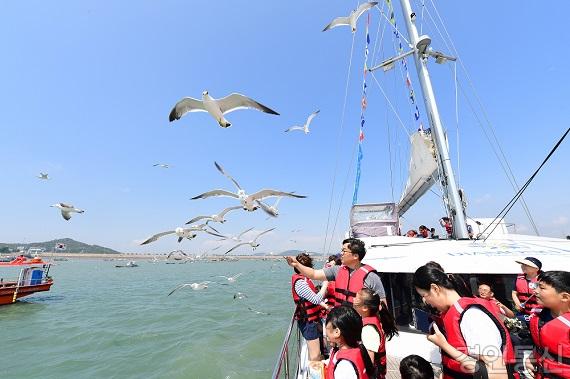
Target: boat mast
<point>420,46</point>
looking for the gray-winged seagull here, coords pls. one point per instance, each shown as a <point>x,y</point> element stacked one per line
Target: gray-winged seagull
<point>161,165</point>
<point>182,233</point>
<point>42,176</point>
<point>352,18</point>
<point>194,286</point>
<point>67,210</point>
<point>216,107</point>
<point>304,128</point>
<point>248,202</point>
<point>215,218</point>
<point>253,243</point>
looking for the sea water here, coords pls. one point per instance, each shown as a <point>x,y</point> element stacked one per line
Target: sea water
<point>99,321</point>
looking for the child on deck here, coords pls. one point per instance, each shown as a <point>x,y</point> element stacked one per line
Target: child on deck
<point>378,324</point>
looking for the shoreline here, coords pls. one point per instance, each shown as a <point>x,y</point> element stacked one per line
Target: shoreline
<point>136,256</point>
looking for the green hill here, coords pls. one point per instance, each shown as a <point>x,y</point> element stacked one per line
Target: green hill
<point>71,246</point>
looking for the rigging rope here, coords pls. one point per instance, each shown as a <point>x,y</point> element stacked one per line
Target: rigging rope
<point>500,157</point>
<point>363,105</point>
<point>338,142</point>
<point>523,188</point>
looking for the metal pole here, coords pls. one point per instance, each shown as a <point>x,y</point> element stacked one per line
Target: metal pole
<point>448,179</point>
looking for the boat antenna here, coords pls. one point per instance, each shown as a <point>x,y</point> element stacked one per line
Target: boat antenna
<point>512,202</point>
<point>421,51</point>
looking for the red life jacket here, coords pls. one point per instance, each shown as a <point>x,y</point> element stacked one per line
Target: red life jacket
<point>552,346</point>
<point>380,355</point>
<point>524,289</point>
<point>329,298</point>
<point>452,330</point>
<point>346,285</point>
<point>353,355</point>
<point>305,310</point>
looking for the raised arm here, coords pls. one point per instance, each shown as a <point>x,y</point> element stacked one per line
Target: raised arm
<point>306,271</point>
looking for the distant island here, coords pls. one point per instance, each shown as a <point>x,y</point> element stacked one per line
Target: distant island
<point>71,246</point>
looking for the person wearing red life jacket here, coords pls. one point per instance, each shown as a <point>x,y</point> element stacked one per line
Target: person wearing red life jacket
<point>308,309</point>
<point>349,358</point>
<point>485,291</point>
<point>377,325</point>
<point>333,260</point>
<point>350,277</point>
<point>525,284</point>
<point>550,330</point>
<point>473,339</point>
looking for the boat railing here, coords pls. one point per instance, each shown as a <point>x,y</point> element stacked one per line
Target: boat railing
<point>290,353</point>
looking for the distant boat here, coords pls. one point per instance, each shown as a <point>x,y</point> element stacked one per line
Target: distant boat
<point>128,264</point>
<point>33,277</point>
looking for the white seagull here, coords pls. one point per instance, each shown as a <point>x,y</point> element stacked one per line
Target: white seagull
<point>231,279</point>
<point>248,202</point>
<point>235,238</point>
<point>194,286</point>
<point>270,210</point>
<point>253,243</point>
<point>161,165</point>
<point>42,176</point>
<point>216,107</point>
<point>67,210</point>
<point>304,128</point>
<point>352,18</point>
<point>182,233</point>
<point>177,252</point>
<point>215,218</point>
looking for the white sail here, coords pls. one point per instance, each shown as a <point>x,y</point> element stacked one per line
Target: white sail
<point>422,171</point>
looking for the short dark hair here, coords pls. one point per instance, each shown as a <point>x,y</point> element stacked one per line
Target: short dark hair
<point>415,367</point>
<point>559,280</point>
<point>356,246</point>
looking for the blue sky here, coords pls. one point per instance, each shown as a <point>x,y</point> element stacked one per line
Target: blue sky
<point>87,88</point>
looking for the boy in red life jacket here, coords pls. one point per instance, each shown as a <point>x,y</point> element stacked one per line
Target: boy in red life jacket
<point>308,308</point>
<point>377,325</point>
<point>446,223</point>
<point>350,277</point>
<point>486,292</point>
<point>525,284</point>
<point>550,329</point>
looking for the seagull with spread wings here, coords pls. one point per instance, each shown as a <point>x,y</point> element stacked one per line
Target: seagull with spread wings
<point>182,233</point>
<point>253,243</point>
<point>352,18</point>
<point>304,128</point>
<point>272,210</point>
<point>231,279</point>
<point>217,108</point>
<point>67,210</point>
<point>249,202</point>
<point>194,286</point>
<point>214,218</point>
<point>43,176</point>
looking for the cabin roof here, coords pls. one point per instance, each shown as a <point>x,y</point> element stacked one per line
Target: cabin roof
<point>494,256</point>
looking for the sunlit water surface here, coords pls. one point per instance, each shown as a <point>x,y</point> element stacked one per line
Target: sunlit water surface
<point>99,321</point>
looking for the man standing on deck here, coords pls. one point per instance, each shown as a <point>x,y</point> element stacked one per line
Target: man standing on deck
<point>350,277</point>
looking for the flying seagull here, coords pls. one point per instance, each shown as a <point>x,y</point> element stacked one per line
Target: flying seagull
<point>304,128</point>
<point>67,210</point>
<point>253,243</point>
<point>216,107</point>
<point>194,286</point>
<point>236,238</point>
<point>42,176</point>
<point>161,165</point>
<point>258,312</point>
<point>231,278</point>
<point>215,218</point>
<point>176,252</point>
<point>248,202</point>
<point>182,233</point>
<point>270,210</point>
<point>352,18</point>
